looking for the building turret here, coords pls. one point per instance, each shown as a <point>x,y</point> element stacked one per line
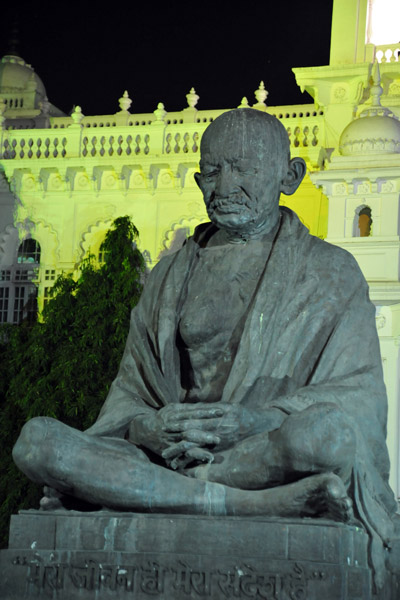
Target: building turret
<point>23,95</point>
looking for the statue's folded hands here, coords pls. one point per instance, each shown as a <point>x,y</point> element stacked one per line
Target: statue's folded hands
<point>159,430</point>
<point>233,423</point>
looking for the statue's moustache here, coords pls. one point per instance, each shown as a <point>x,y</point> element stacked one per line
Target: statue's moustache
<point>236,199</point>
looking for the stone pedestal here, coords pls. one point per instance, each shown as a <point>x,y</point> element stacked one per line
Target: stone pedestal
<point>95,556</point>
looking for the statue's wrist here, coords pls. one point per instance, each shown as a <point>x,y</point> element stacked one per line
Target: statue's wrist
<point>136,430</point>
<point>272,419</point>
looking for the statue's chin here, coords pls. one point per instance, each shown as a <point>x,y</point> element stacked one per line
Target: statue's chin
<point>233,220</point>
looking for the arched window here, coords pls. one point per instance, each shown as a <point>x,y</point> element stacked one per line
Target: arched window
<point>365,221</point>
<point>29,251</point>
<point>362,222</point>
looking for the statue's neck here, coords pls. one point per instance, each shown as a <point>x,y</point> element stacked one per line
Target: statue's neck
<point>266,229</point>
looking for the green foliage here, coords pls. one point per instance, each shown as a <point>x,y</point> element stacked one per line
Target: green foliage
<point>63,366</point>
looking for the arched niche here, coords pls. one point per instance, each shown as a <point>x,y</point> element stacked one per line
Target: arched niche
<point>92,239</point>
<point>362,222</point>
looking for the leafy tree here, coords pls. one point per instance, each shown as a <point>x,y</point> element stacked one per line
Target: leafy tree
<point>63,366</point>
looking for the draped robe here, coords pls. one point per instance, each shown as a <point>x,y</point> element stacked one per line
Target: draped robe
<point>309,336</point>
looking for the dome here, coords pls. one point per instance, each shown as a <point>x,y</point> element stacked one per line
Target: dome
<point>375,131</point>
<point>17,76</point>
<point>375,134</point>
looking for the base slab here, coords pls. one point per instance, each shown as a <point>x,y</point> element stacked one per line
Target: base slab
<point>98,556</point>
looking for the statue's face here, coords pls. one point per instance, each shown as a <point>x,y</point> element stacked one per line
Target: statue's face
<point>240,177</point>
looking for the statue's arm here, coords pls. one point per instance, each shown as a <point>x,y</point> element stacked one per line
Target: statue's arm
<point>139,387</point>
<point>119,410</point>
<point>349,370</point>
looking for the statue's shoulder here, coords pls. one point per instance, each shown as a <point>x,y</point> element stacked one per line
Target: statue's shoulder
<point>322,259</point>
<point>333,256</point>
<point>336,269</point>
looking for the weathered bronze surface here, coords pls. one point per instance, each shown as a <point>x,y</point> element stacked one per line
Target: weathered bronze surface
<point>251,382</point>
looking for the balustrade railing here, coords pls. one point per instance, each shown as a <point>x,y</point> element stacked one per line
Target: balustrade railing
<point>42,143</point>
<point>387,53</point>
<point>304,124</point>
<point>183,140</point>
<point>115,145</point>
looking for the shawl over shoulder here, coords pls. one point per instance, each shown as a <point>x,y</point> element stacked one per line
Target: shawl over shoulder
<point>309,337</point>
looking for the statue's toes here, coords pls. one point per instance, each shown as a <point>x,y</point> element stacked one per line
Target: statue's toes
<point>339,505</point>
<point>52,499</point>
<point>348,509</point>
<point>47,503</point>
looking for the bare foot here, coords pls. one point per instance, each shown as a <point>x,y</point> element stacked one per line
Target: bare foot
<point>55,500</point>
<point>52,499</point>
<point>323,496</point>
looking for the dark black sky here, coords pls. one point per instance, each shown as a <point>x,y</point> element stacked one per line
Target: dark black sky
<point>157,51</point>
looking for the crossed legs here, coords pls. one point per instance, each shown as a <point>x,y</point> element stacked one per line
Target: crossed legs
<point>307,478</point>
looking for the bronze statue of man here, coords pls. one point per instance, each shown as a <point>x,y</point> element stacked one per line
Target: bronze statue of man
<point>251,382</point>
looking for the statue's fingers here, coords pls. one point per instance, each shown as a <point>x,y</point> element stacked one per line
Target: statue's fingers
<point>177,449</point>
<point>201,437</point>
<point>185,425</point>
<point>198,413</point>
<point>200,454</point>
<point>180,462</point>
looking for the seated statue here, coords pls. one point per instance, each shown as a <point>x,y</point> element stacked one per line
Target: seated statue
<point>251,382</point>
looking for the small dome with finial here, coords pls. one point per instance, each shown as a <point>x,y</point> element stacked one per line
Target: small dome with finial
<point>22,91</point>
<point>18,76</point>
<point>375,131</point>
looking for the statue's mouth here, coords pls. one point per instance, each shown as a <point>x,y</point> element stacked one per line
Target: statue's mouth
<point>230,204</point>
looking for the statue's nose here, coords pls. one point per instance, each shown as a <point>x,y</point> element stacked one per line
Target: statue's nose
<point>224,181</point>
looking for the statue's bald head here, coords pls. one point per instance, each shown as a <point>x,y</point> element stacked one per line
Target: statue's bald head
<point>238,131</point>
<point>245,165</point>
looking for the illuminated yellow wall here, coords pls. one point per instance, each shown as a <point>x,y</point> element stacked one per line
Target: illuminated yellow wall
<point>311,205</point>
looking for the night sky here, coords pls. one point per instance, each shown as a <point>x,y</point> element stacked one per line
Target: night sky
<point>159,51</point>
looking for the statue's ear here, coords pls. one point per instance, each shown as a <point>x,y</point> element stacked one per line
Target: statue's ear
<point>294,176</point>
<point>197,178</point>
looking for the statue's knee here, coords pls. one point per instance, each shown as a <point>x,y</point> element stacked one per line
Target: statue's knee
<point>320,437</point>
<point>335,434</point>
<point>30,446</point>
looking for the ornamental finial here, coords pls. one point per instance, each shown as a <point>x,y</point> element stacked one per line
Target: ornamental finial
<point>261,94</point>
<point>160,113</point>
<point>376,89</point>
<point>44,106</point>
<point>77,116</point>
<point>124,102</point>
<point>192,98</point>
